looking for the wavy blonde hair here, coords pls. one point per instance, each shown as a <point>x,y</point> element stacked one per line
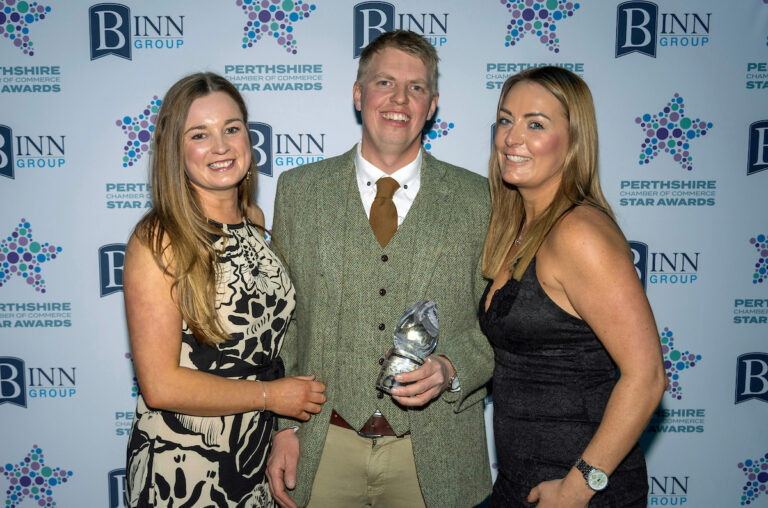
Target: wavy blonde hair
<point>176,230</point>
<point>580,184</point>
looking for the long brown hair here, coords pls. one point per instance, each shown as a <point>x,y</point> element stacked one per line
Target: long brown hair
<point>580,184</point>
<point>176,229</point>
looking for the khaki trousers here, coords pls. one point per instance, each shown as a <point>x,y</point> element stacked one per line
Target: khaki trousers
<point>357,472</point>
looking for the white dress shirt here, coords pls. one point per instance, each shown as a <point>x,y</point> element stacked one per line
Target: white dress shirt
<point>409,178</point>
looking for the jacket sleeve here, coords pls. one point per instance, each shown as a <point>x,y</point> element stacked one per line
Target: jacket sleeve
<point>282,241</point>
<point>467,348</point>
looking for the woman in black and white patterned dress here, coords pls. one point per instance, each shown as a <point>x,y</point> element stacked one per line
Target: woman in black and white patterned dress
<point>207,304</point>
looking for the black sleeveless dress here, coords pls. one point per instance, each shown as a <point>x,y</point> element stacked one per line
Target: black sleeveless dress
<point>551,383</point>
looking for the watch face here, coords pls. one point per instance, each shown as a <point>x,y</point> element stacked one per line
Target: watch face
<point>597,479</point>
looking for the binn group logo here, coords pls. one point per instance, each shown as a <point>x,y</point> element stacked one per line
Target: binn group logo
<point>752,377</point>
<point>19,383</point>
<point>675,361</point>
<point>640,28</point>
<point>111,260</point>
<point>667,490</point>
<point>114,31</point>
<point>670,131</point>
<point>138,129</point>
<point>117,490</point>
<point>758,147</point>
<point>21,256</point>
<point>439,129</point>
<point>284,150</point>
<point>15,18</point>
<point>370,19</point>
<point>664,268</point>
<point>537,19</point>
<point>273,19</point>
<point>31,478</point>
<point>756,471</point>
<point>261,137</point>
<point>29,151</point>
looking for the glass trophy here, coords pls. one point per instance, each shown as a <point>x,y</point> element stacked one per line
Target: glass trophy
<point>415,338</point>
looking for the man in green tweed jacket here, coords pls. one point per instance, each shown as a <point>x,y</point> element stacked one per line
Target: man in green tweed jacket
<point>425,445</point>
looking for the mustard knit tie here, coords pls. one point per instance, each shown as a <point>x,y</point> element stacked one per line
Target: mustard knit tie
<point>383,212</point>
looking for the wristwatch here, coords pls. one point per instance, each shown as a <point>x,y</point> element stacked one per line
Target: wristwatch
<point>454,385</point>
<point>596,478</point>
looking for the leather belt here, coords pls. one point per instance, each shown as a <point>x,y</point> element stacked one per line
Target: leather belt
<point>376,426</point>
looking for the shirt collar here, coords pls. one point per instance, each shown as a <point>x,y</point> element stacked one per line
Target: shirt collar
<point>408,176</point>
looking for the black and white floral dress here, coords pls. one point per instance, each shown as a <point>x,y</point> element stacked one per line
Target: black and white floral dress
<point>220,461</point>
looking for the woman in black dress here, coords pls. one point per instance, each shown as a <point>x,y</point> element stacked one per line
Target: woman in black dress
<point>564,309</point>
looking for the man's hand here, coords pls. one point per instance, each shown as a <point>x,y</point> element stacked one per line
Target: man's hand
<point>427,382</point>
<point>281,466</point>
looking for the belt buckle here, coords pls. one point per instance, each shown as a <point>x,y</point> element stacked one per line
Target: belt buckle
<point>369,436</point>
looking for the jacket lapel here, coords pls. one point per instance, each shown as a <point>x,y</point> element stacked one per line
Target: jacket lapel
<point>430,215</point>
<point>337,192</point>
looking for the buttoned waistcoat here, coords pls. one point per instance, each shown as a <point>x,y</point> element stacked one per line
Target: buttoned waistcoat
<point>351,293</point>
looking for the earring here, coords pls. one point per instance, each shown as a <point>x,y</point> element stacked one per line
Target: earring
<point>248,176</point>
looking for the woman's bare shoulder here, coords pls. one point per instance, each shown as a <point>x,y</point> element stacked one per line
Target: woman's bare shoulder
<point>587,235</point>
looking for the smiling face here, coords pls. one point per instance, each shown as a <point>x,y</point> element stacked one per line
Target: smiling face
<point>217,154</point>
<point>531,139</point>
<point>395,102</point>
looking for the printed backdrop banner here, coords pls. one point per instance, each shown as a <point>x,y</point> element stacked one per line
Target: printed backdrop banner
<point>681,90</point>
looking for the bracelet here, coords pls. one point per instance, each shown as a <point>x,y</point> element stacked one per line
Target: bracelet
<point>264,393</point>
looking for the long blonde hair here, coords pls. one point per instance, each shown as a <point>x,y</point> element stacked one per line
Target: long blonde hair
<point>176,230</point>
<point>580,184</point>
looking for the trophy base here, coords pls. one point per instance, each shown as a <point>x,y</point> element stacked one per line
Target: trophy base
<point>397,362</point>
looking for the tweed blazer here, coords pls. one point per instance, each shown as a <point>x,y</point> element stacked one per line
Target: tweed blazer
<point>321,230</point>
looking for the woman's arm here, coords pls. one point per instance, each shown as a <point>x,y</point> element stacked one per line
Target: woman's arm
<point>587,265</point>
<point>154,327</point>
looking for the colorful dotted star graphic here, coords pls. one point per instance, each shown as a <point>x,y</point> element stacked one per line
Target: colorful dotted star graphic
<point>135,387</point>
<point>756,472</point>
<point>15,16</point>
<point>538,18</point>
<point>439,129</point>
<point>31,478</point>
<point>761,266</point>
<point>675,362</point>
<point>670,131</point>
<point>21,256</point>
<point>139,130</point>
<point>273,18</point>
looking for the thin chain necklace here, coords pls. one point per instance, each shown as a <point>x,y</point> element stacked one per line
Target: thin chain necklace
<point>520,235</point>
